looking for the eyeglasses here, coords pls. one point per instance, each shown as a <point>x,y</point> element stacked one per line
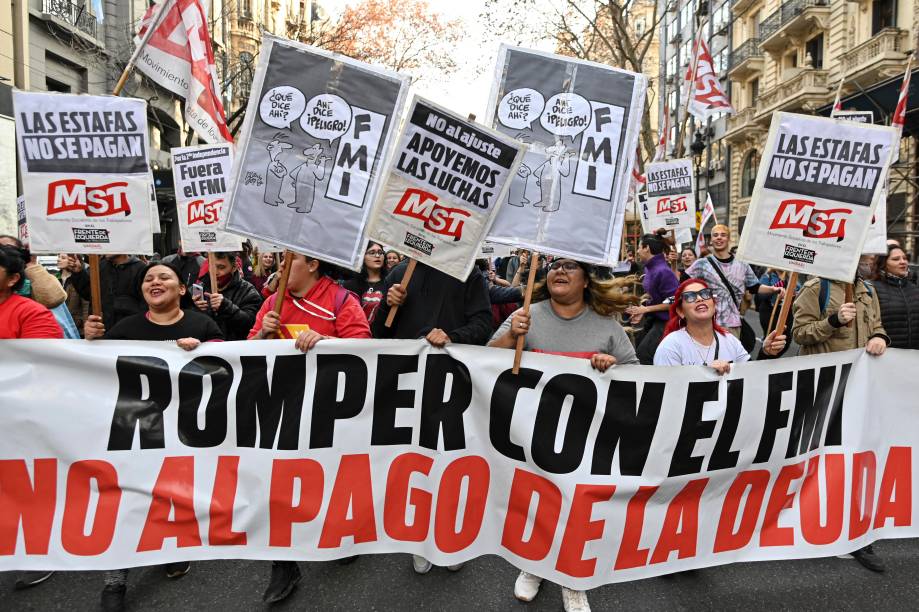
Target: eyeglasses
<point>567,266</point>
<point>702,294</point>
<point>375,253</point>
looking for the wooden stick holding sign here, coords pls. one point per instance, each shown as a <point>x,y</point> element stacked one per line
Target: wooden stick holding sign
<point>94,286</point>
<point>409,270</point>
<point>282,282</point>
<point>849,298</point>
<point>775,306</point>
<point>673,263</point>
<point>527,298</point>
<point>786,302</point>
<point>212,272</point>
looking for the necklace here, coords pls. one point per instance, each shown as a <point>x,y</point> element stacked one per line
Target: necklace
<point>699,346</point>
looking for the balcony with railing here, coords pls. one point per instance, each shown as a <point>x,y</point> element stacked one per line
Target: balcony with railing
<point>806,90</point>
<point>75,17</point>
<point>881,56</point>
<point>742,126</point>
<point>746,60</point>
<point>794,19</point>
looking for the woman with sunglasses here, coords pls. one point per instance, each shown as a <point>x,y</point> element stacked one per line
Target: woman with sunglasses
<point>571,315</point>
<point>368,285</point>
<point>692,337</point>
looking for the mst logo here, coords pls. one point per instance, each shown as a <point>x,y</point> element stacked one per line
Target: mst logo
<point>801,214</point>
<point>205,212</point>
<point>71,195</point>
<point>671,206</point>
<point>423,206</point>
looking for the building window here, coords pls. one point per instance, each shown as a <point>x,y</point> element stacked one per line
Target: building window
<point>57,86</point>
<point>244,69</point>
<point>814,49</point>
<point>753,86</point>
<point>883,15</point>
<point>245,9</point>
<point>754,24</point>
<point>748,174</point>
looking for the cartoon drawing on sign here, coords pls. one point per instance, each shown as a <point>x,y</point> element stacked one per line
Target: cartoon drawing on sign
<point>516,195</point>
<point>559,165</point>
<point>277,171</point>
<point>300,187</point>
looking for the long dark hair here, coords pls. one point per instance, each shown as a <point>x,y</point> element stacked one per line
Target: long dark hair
<point>658,242</point>
<point>677,322</point>
<point>383,270</point>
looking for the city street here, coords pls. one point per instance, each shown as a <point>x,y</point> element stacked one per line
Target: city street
<point>387,582</point>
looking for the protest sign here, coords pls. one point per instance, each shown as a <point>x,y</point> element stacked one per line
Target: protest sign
<point>85,172</point>
<point>581,121</point>
<point>818,185</point>
<point>22,225</point>
<point>671,194</point>
<point>201,176</point>
<point>490,250</point>
<point>443,188</point>
<point>313,146</point>
<point>251,450</point>
<point>876,240</point>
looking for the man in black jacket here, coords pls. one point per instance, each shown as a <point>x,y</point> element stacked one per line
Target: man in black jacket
<point>189,267</point>
<point>120,277</point>
<point>436,307</point>
<point>235,307</point>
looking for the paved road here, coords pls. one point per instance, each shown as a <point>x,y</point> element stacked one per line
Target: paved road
<point>387,582</point>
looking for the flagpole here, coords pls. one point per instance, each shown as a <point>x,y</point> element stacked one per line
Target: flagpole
<point>690,93</point>
<point>140,47</point>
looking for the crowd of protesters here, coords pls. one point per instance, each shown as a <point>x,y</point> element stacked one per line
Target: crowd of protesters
<point>662,307</point>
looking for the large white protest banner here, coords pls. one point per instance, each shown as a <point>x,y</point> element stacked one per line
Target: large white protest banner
<point>818,185</point>
<point>85,172</point>
<point>313,146</point>
<point>582,121</point>
<point>119,454</point>
<point>201,176</point>
<point>671,200</point>
<point>443,188</point>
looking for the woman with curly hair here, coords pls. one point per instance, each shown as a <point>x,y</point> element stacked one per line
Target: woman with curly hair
<point>572,315</point>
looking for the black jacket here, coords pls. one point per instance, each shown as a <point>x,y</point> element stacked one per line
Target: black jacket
<point>120,287</point>
<point>437,300</point>
<point>241,302</point>
<point>899,301</point>
<point>189,267</point>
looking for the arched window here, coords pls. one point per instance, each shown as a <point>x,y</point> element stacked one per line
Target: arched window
<point>748,174</point>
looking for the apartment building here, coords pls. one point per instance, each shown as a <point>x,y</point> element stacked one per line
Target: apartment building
<point>792,56</point>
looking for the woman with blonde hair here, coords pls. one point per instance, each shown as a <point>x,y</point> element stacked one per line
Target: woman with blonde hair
<point>572,315</point>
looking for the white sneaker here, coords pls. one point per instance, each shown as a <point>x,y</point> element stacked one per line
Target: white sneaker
<point>527,586</point>
<point>575,601</point>
<point>421,565</point>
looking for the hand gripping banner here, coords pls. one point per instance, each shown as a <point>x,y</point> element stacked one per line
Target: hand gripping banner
<point>120,454</point>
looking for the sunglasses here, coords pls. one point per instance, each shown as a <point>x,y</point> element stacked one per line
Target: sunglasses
<point>567,266</point>
<point>702,294</point>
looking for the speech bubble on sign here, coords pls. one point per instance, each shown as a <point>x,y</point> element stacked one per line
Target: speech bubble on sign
<point>566,114</point>
<point>327,117</point>
<point>281,106</point>
<point>520,108</point>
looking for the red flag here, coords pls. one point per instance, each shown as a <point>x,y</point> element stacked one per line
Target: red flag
<point>899,115</point>
<point>178,56</point>
<point>707,98</point>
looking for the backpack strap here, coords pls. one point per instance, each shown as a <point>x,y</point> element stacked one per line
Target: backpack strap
<point>724,281</point>
<point>341,296</point>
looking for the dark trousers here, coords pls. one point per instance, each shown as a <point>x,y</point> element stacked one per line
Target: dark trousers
<point>647,345</point>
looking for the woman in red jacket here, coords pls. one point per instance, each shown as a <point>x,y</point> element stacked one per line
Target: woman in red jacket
<point>315,307</point>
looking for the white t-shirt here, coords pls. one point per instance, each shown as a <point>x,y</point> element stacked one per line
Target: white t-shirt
<point>678,348</point>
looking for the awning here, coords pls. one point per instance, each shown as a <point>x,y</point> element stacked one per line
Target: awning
<point>881,98</point>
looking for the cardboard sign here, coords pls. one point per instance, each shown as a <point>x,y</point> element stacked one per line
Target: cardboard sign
<point>444,187</point>
<point>312,151</point>
<point>817,188</point>
<point>201,176</point>
<point>22,225</point>
<point>581,121</point>
<point>671,202</point>
<point>85,172</point>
